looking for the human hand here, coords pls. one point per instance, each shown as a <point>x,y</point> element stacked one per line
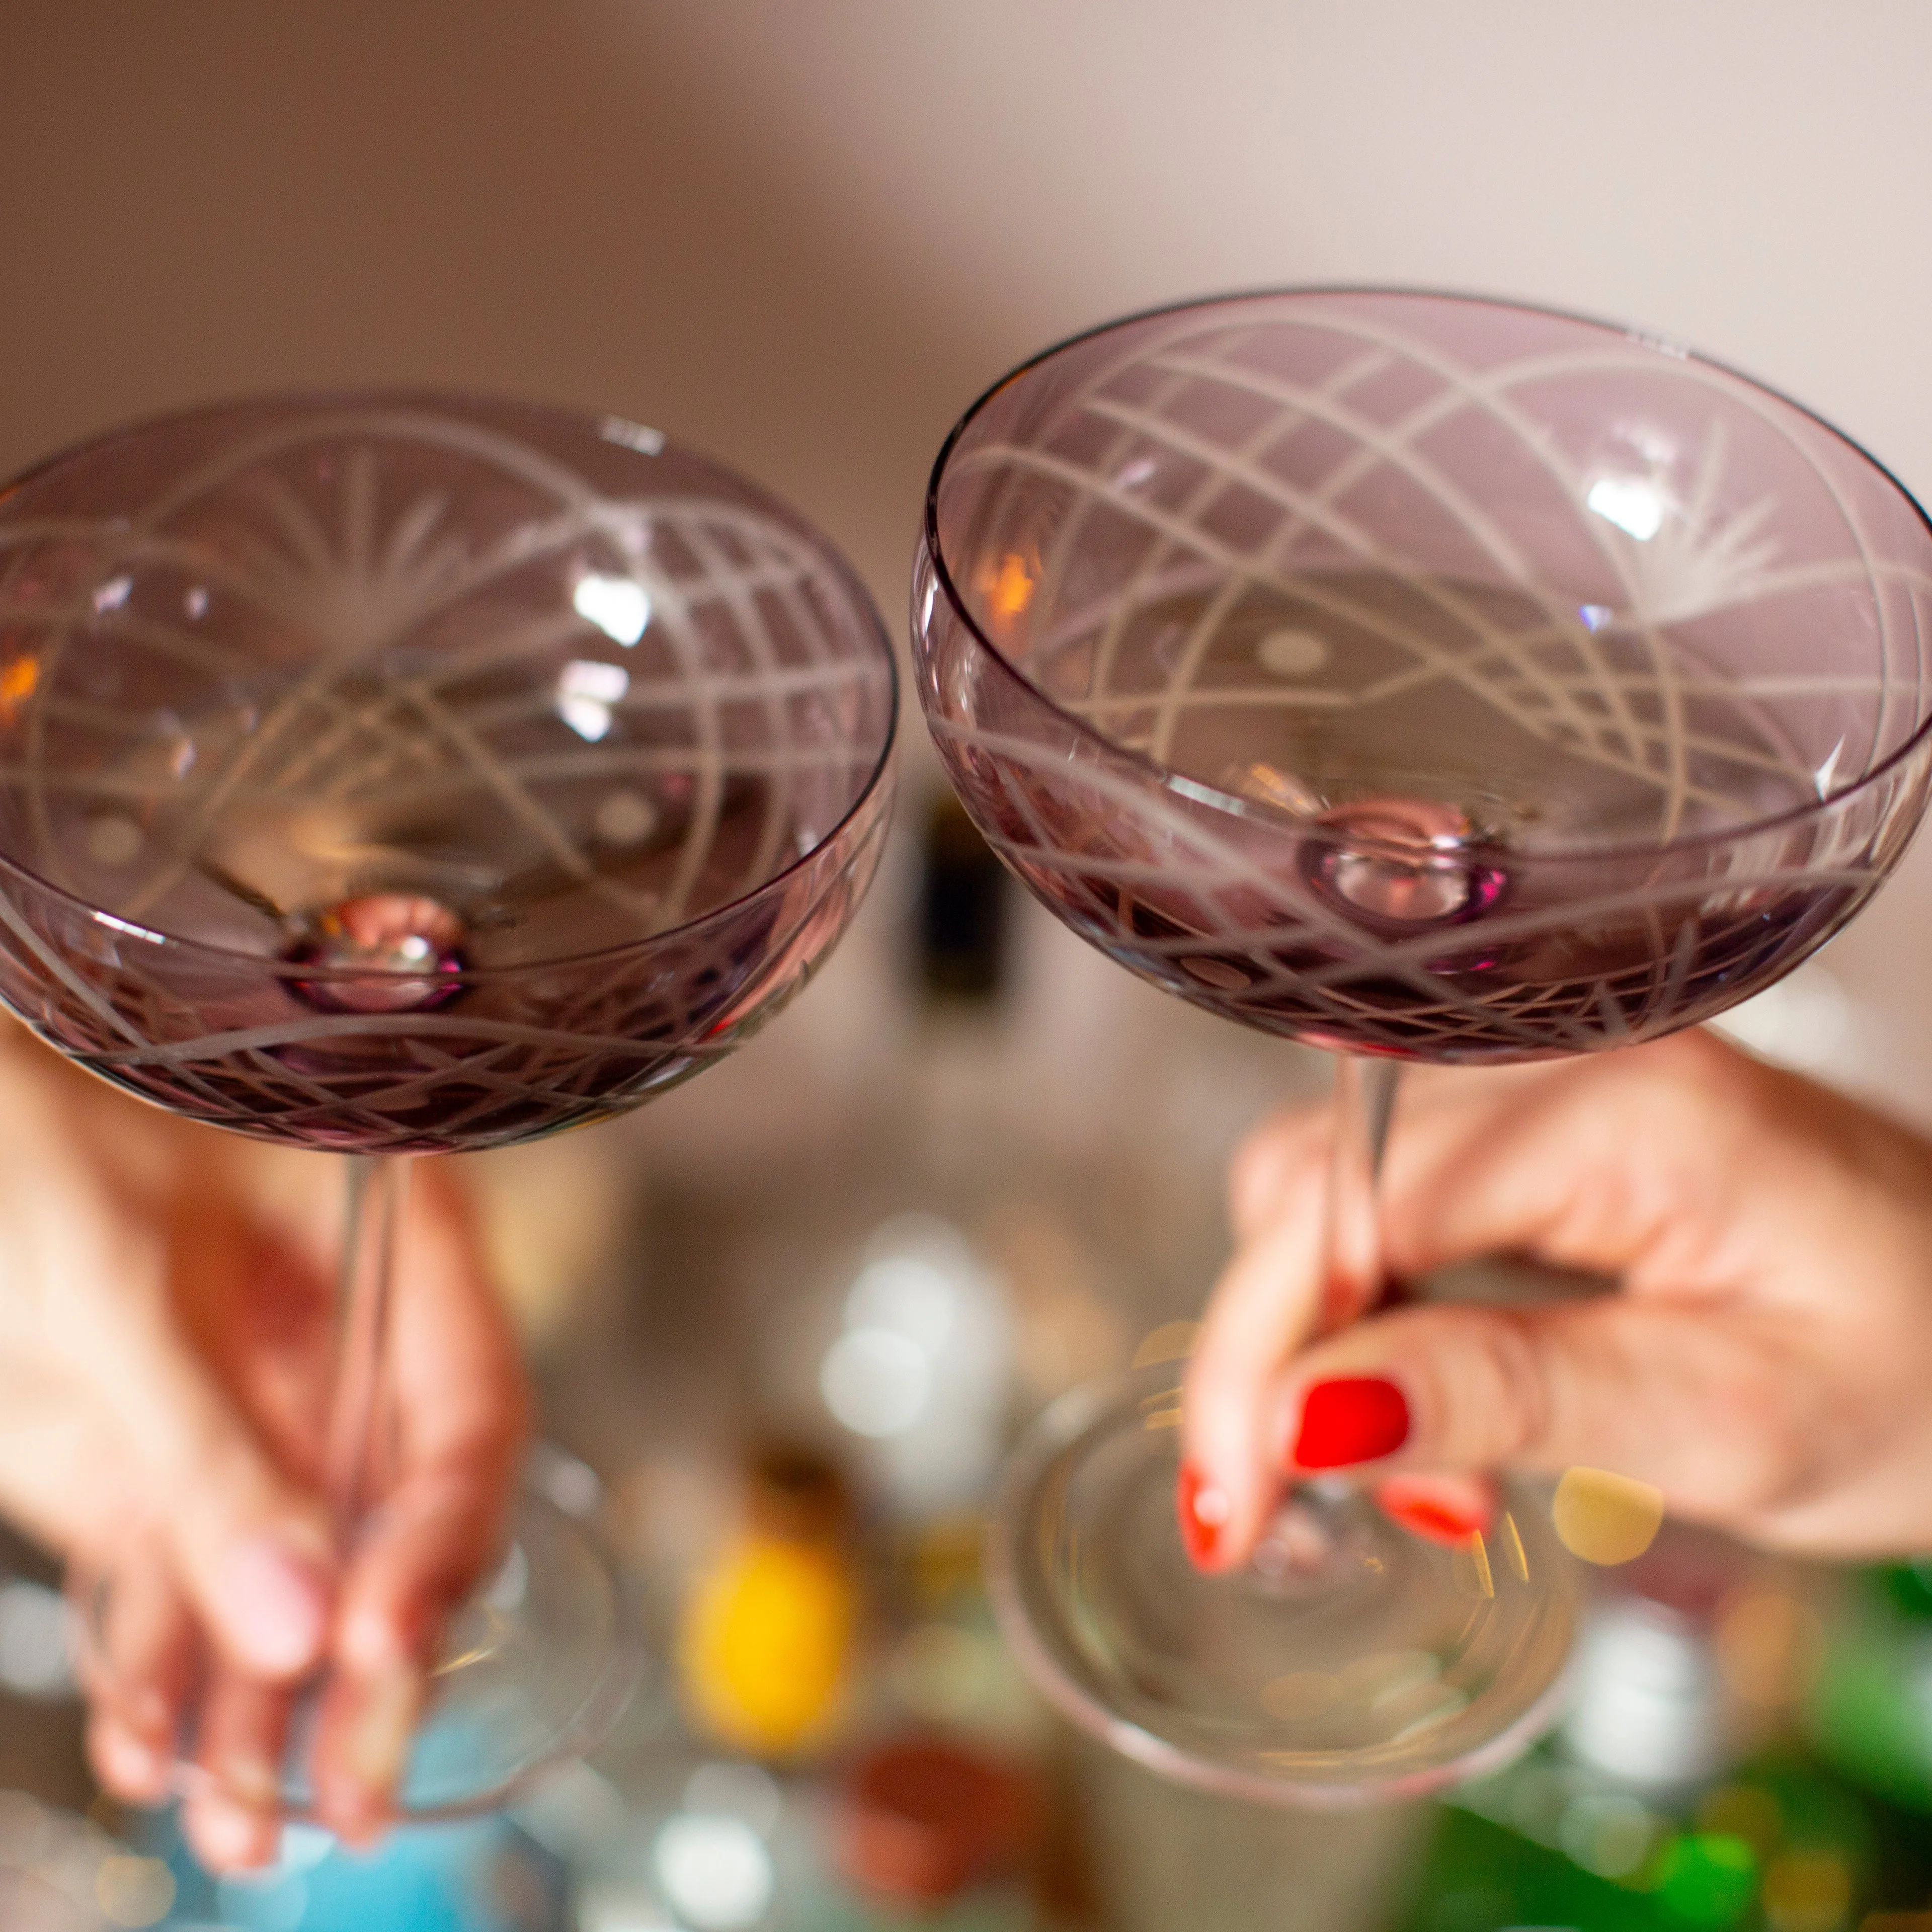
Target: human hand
<point>167,1336</point>
<point>1764,1364</point>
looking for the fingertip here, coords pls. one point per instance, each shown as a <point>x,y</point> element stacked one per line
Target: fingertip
<point>435,1537</point>
<point>130,1767</point>
<point>1202,1510</point>
<point>394,1605</point>
<point>228,1837</point>
<point>1227,1467</point>
<point>1440,1506</point>
<point>365,1748</point>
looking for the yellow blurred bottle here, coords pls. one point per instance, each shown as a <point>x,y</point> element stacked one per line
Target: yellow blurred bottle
<point>768,1630</point>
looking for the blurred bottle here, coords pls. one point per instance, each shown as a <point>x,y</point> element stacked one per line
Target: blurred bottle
<point>770,1626</point>
<point>923,1818</point>
<point>962,909</point>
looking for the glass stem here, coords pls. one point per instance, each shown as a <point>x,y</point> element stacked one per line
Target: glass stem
<point>360,1452</point>
<point>1355,1277</point>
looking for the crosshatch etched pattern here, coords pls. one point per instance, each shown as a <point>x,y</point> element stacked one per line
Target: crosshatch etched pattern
<point>1647,580</point>
<point>318,629</point>
<point>519,1055</point>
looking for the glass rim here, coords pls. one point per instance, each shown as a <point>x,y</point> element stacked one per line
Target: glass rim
<point>1198,792</point>
<point>594,425</point>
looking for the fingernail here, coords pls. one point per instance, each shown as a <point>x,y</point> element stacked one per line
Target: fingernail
<point>1438,1510</point>
<point>379,1733</point>
<point>1353,1419</point>
<point>226,1835</point>
<point>274,1607</point>
<point>1203,1512</point>
<point>128,1766</point>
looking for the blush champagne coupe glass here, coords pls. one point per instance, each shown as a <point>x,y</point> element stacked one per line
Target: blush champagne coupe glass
<point>1423,678</point>
<point>399,774</point>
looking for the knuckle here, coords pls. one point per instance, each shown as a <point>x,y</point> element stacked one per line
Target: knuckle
<point>1487,1386</point>
<point>1517,1406</point>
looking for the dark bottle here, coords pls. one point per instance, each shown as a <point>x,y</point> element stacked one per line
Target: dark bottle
<point>962,909</point>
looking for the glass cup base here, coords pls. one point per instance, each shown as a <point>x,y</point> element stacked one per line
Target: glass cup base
<point>1350,1661</point>
<point>534,1668</point>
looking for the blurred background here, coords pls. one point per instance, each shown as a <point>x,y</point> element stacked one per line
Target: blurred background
<point>802,238</point>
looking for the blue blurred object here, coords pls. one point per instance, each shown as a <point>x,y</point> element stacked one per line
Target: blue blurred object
<point>489,1876</point>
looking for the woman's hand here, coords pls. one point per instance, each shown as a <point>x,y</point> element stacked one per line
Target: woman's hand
<point>1765,1364</point>
<point>167,1338</point>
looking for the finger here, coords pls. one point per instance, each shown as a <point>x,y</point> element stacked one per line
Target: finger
<point>257,1555</point>
<point>141,1655</point>
<point>367,1719</point>
<point>127,1764</point>
<point>1439,1506</point>
<point>239,1745</point>
<point>226,1836</point>
<point>1705,1412</point>
<point>254,1552</point>
<point>1268,1301</point>
<point>422,1555</point>
<point>1614,1164</point>
<point>1271,1298</point>
<point>1269,1161</point>
<point>462,1418</point>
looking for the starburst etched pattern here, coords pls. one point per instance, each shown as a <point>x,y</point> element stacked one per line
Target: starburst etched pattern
<point>1423,676</point>
<point>296,696</point>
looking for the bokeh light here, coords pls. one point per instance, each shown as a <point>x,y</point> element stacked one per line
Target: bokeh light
<point>1604,1518</point>
<point>1807,1891</point>
<point>715,1870</point>
<point>36,1640</point>
<point>133,1892</point>
<point>1769,1643</point>
<point>1172,1342</point>
<point>1610,1833</point>
<point>1706,1878</point>
<point>618,606</point>
<point>922,1364</point>
<point>875,1383</point>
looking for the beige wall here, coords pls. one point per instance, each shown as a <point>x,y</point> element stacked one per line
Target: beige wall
<point>803,233</point>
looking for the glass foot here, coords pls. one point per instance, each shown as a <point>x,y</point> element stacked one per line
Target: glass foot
<point>1350,1661</point>
<point>535,1668</point>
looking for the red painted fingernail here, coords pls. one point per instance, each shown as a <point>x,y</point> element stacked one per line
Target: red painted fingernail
<point>1203,1511</point>
<point>1354,1419</point>
<point>1446,1509</point>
